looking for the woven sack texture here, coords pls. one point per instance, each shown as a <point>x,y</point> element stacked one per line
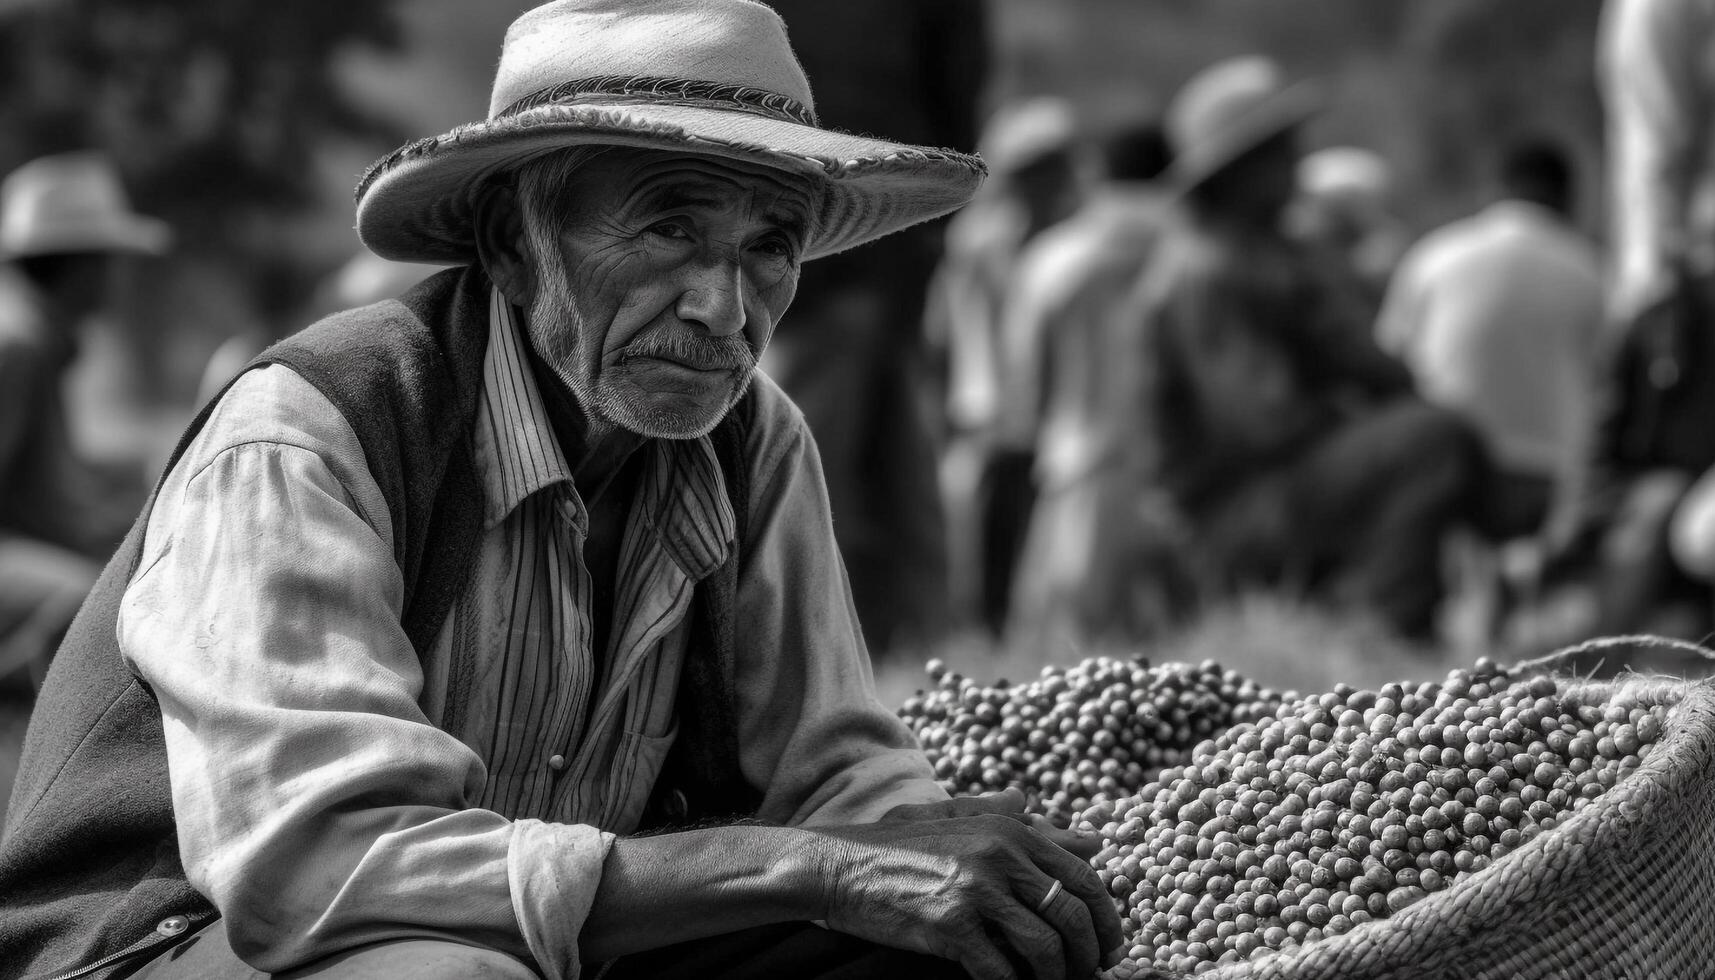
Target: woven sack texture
<point>1624,890</point>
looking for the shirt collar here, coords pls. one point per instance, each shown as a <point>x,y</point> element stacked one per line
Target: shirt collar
<point>517,452</point>
<point>682,493</point>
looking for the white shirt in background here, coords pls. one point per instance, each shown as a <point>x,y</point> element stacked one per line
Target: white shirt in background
<point>1498,316</point>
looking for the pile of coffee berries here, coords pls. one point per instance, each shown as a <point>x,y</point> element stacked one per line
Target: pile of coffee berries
<point>1076,736</point>
<point>1352,805</point>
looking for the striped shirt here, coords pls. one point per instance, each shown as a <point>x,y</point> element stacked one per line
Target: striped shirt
<point>320,803</point>
<point>553,751</point>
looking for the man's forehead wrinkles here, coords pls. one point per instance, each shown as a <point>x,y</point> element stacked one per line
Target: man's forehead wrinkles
<point>694,178</point>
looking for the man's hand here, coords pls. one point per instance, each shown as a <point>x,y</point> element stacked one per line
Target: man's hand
<point>1009,803</point>
<point>970,880</point>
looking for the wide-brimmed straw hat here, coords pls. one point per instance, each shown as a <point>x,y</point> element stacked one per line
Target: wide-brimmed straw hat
<point>1229,108</point>
<point>711,77</point>
<point>73,202</point>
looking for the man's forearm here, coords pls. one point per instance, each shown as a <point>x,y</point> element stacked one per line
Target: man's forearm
<point>657,891</point>
<point>960,879</point>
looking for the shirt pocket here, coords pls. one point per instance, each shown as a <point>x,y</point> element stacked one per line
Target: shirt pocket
<point>636,767</point>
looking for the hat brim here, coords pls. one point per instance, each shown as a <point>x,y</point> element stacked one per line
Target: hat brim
<point>134,234</point>
<point>1286,109</point>
<point>415,204</point>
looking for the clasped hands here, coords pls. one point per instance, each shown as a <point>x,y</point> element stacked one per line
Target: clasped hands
<point>974,880</point>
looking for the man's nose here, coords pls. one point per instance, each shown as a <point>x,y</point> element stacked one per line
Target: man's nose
<point>714,297</point>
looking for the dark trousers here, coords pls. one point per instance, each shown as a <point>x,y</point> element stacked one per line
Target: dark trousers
<point>1358,517</point>
<point>1006,497</point>
<point>1512,504</point>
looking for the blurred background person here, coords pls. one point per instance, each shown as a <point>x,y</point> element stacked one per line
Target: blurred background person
<point>1091,571</point>
<point>1030,148</point>
<point>1499,317</point>
<point>1658,88</point>
<point>1292,444</point>
<point>852,355</point>
<point>63,220</point>
<point>1344,206</point>
<point>1654,438</point>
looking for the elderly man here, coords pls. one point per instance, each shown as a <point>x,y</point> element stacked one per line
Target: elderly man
<point>499,630</point>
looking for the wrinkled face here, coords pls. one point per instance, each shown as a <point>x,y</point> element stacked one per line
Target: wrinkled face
<point>663,283</point>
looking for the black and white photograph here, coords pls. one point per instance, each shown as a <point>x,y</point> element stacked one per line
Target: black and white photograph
<point>874,490</point>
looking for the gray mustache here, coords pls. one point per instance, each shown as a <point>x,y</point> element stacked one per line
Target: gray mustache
<point>706,353</point>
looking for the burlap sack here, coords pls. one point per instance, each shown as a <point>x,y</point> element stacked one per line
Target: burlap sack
<point>1624,890</point>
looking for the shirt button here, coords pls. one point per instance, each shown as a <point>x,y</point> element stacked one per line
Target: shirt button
<point>173,925</point>
<point>556,762</point>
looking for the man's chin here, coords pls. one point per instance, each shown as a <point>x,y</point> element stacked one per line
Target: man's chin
<point>669,425</point>
<point>667,417</point>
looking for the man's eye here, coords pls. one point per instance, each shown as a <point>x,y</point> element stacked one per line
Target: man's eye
<point>777,247</point>
<point>670,229</point>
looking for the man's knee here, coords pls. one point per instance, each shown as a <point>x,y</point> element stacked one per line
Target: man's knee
<point>1407,454</point>
<point>1442,432</point>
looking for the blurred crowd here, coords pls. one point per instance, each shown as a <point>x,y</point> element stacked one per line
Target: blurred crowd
<point>1153,367</point>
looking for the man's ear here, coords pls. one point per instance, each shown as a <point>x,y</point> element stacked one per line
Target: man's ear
<point>500,244</point>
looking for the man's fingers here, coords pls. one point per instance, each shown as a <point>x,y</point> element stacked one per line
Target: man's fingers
<point>1081,845</point>
<point>1008,801</point>
<point>1081,880</point>
<point>1036,940</point>
<point>1104,918</point>
<point>1071,919</point>
<point>982,959</point>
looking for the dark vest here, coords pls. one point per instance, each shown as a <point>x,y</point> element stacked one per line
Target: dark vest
<point>90,876</point>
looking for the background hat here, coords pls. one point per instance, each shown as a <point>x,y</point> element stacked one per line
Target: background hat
<point>1347,173</point>
<point>714,77</point>
<point>1228,108</point>
<point>73,202</point>
<point>1021,133</point>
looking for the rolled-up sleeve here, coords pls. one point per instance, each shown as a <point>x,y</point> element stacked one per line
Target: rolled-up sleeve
<point>811,731</point>
<point>317,806</point>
